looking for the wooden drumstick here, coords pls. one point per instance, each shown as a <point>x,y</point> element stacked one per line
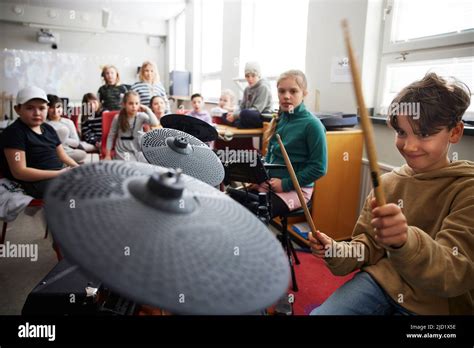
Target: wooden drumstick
<point>296,184</point>
<point>364,119</point>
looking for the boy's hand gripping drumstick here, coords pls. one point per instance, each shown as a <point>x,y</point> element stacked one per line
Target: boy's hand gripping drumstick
<point>364,119</point>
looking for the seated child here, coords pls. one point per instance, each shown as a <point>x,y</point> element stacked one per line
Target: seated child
<point>158,106</point>
<point>198,111</point>
<point>415,253</point>
<point>111,92</point>
<point>226,104</point>
<point>256,101</point>
<point>65,128</point>
<point>150,85</point>
<point>127,127</point>
<point>30,150</point>
<point>303,136</point>
<point>91,122</point>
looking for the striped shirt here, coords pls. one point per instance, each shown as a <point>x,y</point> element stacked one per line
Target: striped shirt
<point>92,129</point>
<point>147,90</point>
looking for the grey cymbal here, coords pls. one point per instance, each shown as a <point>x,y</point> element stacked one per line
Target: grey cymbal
<point>175,149</point>
<point>165,239</point>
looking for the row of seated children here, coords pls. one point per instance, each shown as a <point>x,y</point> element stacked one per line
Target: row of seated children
<point>41,143</point>
<point>257,100</point>
<point>110,94</point>
<point>91,122</point>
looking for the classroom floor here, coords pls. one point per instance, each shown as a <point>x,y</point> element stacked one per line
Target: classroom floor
<point>18,276</point>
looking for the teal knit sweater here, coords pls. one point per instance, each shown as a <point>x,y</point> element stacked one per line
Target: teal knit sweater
<point>304,138</point>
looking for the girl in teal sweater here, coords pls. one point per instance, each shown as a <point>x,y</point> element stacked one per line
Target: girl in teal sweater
<point>305,141</point>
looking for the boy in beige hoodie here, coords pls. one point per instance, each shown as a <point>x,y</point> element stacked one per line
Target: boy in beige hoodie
<point>415,253</point>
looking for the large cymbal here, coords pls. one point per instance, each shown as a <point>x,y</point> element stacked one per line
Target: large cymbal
<point>178,244</point>
<point>191,125</point>
<point>175,149</point>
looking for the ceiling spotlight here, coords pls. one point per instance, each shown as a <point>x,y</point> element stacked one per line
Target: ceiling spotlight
<point>18,10</point>
<point>52,13</point>
<point>105,17</point>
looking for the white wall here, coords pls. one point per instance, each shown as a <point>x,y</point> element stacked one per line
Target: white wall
<point>324,42</point>
<point>133,49</point>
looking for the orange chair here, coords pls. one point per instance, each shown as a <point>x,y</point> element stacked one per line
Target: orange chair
<point>107,118</point>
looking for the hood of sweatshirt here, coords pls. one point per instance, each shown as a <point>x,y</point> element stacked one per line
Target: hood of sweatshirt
<point>261,82</point>
<point>461,168</point>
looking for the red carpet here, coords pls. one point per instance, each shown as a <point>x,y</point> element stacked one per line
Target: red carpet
<point>315,283</point>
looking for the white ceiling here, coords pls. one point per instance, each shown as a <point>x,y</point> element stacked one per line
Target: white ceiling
<point>157,9</point>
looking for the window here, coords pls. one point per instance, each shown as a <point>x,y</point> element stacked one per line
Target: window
<point>273,33</point>
<point>441,17</point>
<point>400,75</point>
<point>180,32</point>
<point>211,48</point>
<point>438,41</point>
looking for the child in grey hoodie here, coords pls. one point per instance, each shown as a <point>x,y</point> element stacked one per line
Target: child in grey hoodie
<point>257,100</point>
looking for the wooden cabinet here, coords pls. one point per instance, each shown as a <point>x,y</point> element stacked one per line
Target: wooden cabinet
<point>336,200</point>
<point>335,206</point>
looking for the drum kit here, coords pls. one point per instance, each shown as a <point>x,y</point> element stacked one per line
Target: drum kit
<point>161,235</point>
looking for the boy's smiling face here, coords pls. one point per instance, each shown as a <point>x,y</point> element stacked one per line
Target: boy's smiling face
<point>425,152</point>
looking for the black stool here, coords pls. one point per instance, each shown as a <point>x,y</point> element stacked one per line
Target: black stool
<point>286,241</point>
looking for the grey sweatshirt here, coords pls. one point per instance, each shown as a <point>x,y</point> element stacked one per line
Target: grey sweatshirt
<point>258,97</point>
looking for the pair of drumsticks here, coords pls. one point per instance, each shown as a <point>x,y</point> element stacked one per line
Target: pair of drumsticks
<point>368,138</point>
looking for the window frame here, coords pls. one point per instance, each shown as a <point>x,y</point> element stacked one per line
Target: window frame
<point>436,41</point>
<point>444,46</point>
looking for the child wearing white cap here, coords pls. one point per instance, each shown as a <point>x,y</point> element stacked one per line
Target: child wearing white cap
<point>30,150</point>
<point>257,99</point>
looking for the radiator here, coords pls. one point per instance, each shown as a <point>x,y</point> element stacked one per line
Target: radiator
<point>366,182</point>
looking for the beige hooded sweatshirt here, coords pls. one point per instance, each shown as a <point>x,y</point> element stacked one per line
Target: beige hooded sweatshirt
<point>433,272</point>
